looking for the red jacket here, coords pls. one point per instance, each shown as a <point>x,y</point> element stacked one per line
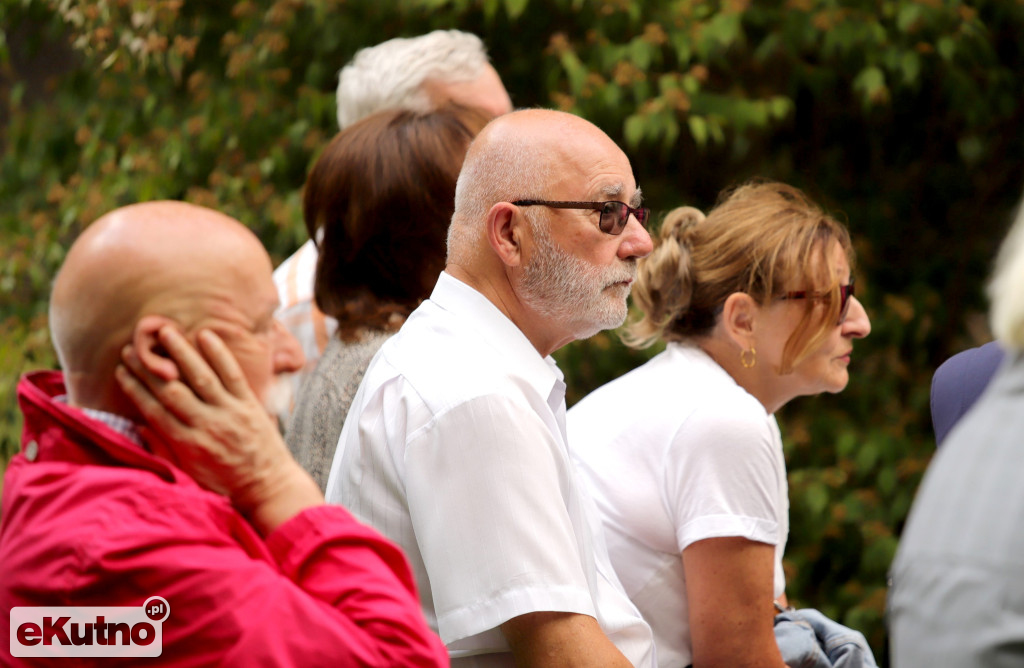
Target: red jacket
<point>95,520</point>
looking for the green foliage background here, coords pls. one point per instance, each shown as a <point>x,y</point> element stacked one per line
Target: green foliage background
<point>901,116</point>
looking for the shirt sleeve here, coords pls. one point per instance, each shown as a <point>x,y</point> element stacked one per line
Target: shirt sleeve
<point>323,590</point>
<point>722,477</point>
<point>366,581</point>
<point>490,491</point>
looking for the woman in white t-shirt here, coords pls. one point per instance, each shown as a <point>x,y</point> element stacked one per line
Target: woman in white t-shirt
<point>683,454</point>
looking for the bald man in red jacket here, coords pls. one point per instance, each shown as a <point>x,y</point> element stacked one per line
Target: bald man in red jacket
<point>113,501</point>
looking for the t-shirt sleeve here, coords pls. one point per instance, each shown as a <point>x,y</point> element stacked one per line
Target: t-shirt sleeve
<point>489,488</point>
<point>722,477</point>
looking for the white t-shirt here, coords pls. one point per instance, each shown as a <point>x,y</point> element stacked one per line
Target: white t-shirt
<point>675,452</point>
<point>455,449</point>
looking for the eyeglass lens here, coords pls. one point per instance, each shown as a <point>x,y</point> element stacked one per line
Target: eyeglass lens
<point>845,292</point>
<point>615,216</point>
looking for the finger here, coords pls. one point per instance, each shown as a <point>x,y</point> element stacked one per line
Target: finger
<point>197,373</point>
<point>153,409</point>
<point>224,364</point>
<point>133,388</point>
<point>149,366</point>
<point>143,371</point>
<point>155,361</point>
<point>173,396</point>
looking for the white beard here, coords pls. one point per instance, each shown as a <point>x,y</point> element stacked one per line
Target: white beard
<point>277,400</point>
<point>558,285</point>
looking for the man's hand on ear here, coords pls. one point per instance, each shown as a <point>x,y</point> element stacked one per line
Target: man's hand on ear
<point>207,421</point>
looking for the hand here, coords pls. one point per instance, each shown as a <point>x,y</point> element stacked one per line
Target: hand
<point>208,422</point>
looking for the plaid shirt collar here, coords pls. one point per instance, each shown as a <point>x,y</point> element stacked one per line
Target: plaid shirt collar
<point>118,423</point>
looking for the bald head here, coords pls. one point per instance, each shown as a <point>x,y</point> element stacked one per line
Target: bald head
<point>171,259</point>
<point>528,154</point>
<point>555,266</point>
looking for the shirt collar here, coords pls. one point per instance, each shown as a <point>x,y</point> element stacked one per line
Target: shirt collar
<point>495,329</point>
<point>118,423</point>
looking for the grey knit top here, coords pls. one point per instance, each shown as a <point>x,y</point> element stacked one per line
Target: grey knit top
<point>323,402</point>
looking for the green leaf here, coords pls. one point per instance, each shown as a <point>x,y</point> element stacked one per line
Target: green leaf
<point>698,129</point>
<point>768,47</point>
<point>633,130</point>
<point>846,444</point>
<point>641,53</point>
<point>611,95</point>
<point>720,33</point>
<point>946,47</point>
<point>867,457</point>
<point>780,107</point>
<point>683,46</point>
<point>690,85</point>
<point>575,70</point>
<point>515,8</point>
<point>671,130</point>
<point>908,16</point>
<point>716,130</point>
<point>870,82</point>
<point>17,94</point>
<point>911,66</point>
<point>816,498</point>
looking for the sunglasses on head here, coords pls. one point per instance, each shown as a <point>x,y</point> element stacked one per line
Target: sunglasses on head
<point>845,292</point>
<point>614,215</point>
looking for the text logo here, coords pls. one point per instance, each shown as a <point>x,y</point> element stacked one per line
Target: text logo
<point>89,631</point>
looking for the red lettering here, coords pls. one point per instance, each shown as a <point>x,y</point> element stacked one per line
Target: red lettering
<point>101,630</point>
<point>137,631</point>
<point>85,639</point>
<point>28,634</point>
<point>50,630</point>
<point>124,629</point>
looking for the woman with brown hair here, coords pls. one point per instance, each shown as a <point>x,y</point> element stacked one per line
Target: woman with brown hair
<point>378,202</point>
<point>683,454</point>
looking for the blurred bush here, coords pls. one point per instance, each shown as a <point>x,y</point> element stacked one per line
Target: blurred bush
<point>902,116</point>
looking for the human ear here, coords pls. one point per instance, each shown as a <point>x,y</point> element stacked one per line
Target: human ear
<point>146,346</point>
<point>504,232</point>
<point>739,316</point>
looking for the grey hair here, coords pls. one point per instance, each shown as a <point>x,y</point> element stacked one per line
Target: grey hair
<point>1006,289</point>
<point>510,168</point>
<point>390,75</point>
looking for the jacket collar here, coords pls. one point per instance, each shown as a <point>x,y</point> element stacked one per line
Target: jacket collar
<point>55,431</point>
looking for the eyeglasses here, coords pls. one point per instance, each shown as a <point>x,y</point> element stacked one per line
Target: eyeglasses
<point>845,292</point>
<point>614,215</point>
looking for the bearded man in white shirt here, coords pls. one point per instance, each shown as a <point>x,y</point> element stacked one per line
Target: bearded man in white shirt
<point>455,443</point>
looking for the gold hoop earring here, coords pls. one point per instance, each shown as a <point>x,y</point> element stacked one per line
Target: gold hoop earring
<point>748,363</point>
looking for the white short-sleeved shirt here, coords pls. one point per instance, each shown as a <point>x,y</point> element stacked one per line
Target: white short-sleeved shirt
<point>294,280</point>
<point>675,452</point>
<point>455,449</point>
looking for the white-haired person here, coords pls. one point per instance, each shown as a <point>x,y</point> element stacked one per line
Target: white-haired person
<point>410,73</point>
<point>683,455</point>
<point>957,595</point>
